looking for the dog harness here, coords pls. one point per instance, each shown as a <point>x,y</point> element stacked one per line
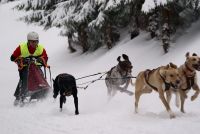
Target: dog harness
<point>67,90</point>
<point>123,77</point>
<point>189,80</point>
<point>148,72</point>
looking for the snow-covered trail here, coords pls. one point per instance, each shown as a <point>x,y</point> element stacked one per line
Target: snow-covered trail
<point>97,116</point>
<point>42,117</point>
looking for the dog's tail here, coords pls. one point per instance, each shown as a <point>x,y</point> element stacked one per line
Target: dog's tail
<point>132,83</point>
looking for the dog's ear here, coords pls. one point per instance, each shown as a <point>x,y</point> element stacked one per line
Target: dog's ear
<point>53,80</point>
<point>194,54</point>
<point>125,57</point>
<point>167,66</point>
<point>118,59</point>
<point>187,55</point>
<point>172,65</point>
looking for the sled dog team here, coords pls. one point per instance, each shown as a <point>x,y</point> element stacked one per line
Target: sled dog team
<point>165,80</point>
<point>170,79</point>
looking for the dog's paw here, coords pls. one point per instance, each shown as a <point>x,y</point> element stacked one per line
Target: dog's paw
<point>171,115</point>
<point>54,96</point>
<point>193,97</point>
<point>76,113</point>
<point>183,111</point>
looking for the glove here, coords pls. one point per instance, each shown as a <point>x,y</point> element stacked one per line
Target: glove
<point>19,63</point>
<point>40,60</point>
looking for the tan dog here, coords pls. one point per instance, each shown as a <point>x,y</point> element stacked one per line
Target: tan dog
<point>188,76</point>
<point>160,80</point>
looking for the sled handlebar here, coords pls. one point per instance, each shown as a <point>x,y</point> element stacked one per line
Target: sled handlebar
<point>29,60</point>
<point>22,62</point>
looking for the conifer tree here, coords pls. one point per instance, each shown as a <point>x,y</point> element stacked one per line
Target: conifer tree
<point>136,7</point>
<point>166,37</point>
<point>154,21</point>
<point>91,24</point>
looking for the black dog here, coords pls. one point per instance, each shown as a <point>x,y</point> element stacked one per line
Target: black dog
<point>66,85</point>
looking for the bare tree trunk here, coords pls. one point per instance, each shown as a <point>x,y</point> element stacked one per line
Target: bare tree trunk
<point>108,38</point>
<point>70,40</point>
<point>82,36</point>
<point>136,11</point>
<point>166,30</point>
<point>196,12</point>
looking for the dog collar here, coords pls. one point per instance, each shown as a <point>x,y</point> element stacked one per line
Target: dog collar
<point>188,68</point>
<point>167,85</point>
<point>191,73</point>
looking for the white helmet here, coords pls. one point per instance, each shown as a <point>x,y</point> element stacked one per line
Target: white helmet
<point>32,36</point>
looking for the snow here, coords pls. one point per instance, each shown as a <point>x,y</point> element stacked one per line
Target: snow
<point>97,116</point>
<point>149,4</point>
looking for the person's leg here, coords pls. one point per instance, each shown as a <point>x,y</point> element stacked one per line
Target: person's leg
<point>24,79</point>
<point>17,91</point>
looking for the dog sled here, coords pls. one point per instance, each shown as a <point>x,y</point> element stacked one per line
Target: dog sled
<point>37,86</point>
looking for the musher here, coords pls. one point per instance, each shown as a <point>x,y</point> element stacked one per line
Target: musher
<point>31,48</point>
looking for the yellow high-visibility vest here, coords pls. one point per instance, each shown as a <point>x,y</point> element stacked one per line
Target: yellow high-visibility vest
<point>25,52</point>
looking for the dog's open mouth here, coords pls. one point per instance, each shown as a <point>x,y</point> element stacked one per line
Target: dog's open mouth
<point>197,67</point>
<point>175,86</point>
